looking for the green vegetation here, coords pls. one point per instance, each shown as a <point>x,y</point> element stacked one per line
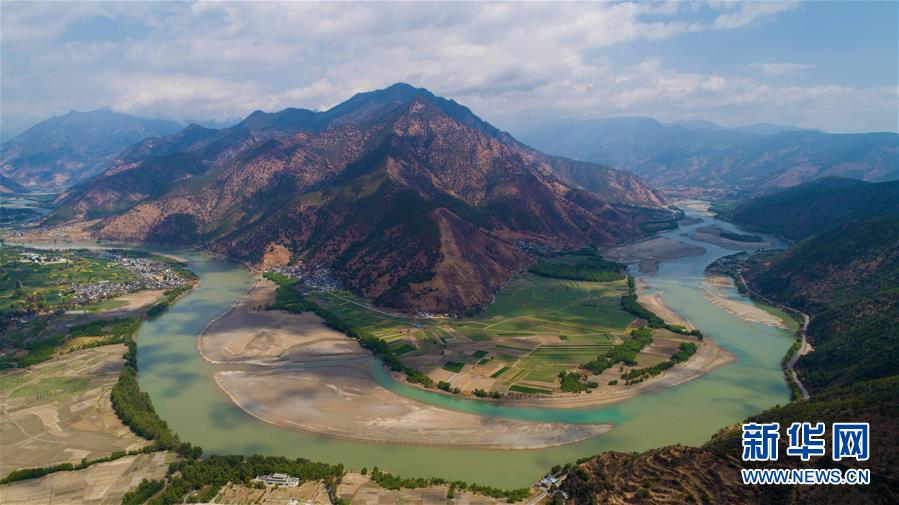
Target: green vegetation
<point>208,475</point>
<point>818,206</point>
<point>584,265</point>
<point>390,481</point>
<point>28,288</point>
<point>518,388</point>
<point>499,372</point>
<point>143,492</point>
<point>650,227</point>
<point>739,237</point>
<point>846,281</point>
<point>573,382</point>
<point>34,473</point>
<point>638,375</point>
<point>287,298</point>
<point>629,303</point>
<point>723,209</point>
<point>625,353</point>
<point>479,354</point>
<point>453,366</point>
<point>113,331</point>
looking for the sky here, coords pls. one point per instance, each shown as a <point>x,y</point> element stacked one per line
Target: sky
<point>829,65</point>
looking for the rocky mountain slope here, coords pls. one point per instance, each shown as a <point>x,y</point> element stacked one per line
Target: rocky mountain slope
<point>817,206</point>
<point>711,473</point>
<point>65,150</point>
<point>413,200</point>
<point>751,160</point>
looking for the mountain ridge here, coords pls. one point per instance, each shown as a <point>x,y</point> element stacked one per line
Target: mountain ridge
<point>817,206</point>
<point>67,149</point>
<point>752,160</point>
<point>413,200</point>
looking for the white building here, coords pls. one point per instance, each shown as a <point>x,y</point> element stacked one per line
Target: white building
<point>278,479</point>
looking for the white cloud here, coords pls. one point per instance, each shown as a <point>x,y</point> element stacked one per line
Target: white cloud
<point>508,62</point>
<point>774,69</point>
<point>749,12</point>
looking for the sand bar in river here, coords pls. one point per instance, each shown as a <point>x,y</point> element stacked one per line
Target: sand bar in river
<point>292,371</point>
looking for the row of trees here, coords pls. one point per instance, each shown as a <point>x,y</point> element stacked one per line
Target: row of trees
<point>685,350</point>
<point>199,480</point>
<point>630,304</point>
<point>390,481</point>
<point>588,267</point>
<point>626,352</point>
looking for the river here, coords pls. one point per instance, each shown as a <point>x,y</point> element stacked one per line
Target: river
<point>185,395</point>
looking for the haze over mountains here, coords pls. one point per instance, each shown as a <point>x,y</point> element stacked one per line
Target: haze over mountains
<point>754,160</point>
<point>414,201</point>
<point>67,149</point>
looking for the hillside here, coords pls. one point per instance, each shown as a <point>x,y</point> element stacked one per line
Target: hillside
<point>711,473</point>
<point>10,187</point>
<point>410,198</point>
<point>64,150</point>
<point>847,281</point>
<point>755,160</point>
<point>817,206</point>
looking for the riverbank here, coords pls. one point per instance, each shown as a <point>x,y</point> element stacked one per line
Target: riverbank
<point>283,352</point>
<point>712,287</point>
<point>294,372</point>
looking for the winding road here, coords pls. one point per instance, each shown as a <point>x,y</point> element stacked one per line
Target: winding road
<point>803,346</point>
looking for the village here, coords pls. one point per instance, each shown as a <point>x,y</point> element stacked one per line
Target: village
<point>313,277</point>
<point>151,274</point>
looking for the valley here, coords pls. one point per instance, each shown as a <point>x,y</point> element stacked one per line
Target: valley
<point>185,392</point>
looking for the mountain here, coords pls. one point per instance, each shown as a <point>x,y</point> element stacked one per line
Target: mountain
<point>711,473</point>
<point>410,198</point>
<point>773,129</point>
<point>756,159</point>
<point>10,187</point>
<point>639,144</point>
<point>63,150</point>
<point>847,281</point>
<point>815,207</point>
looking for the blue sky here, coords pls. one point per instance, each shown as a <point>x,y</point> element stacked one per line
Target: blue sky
<point>830,65</point>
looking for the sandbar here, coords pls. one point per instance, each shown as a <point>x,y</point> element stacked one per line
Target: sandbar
<point>711,290</point>
<point>648,253</point>
<point>293,371</point>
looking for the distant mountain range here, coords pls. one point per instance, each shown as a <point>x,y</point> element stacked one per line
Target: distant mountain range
<point>753,160</point>
<point>410,198</point>
<point>65,150</point>
<point>818,206</point>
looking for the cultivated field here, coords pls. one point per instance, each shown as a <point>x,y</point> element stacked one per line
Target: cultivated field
<point>537,328</point>
<point>27,285</point>
<point>59,411</point>
<point>100,484</point>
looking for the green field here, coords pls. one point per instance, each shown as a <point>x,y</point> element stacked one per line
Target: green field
<point>791,323</point>
<point>26,287</point>
<point>537,327</point>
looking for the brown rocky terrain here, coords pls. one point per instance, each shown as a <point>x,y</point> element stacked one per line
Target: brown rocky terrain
<point>411,199</point>
<point>711,473</point>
